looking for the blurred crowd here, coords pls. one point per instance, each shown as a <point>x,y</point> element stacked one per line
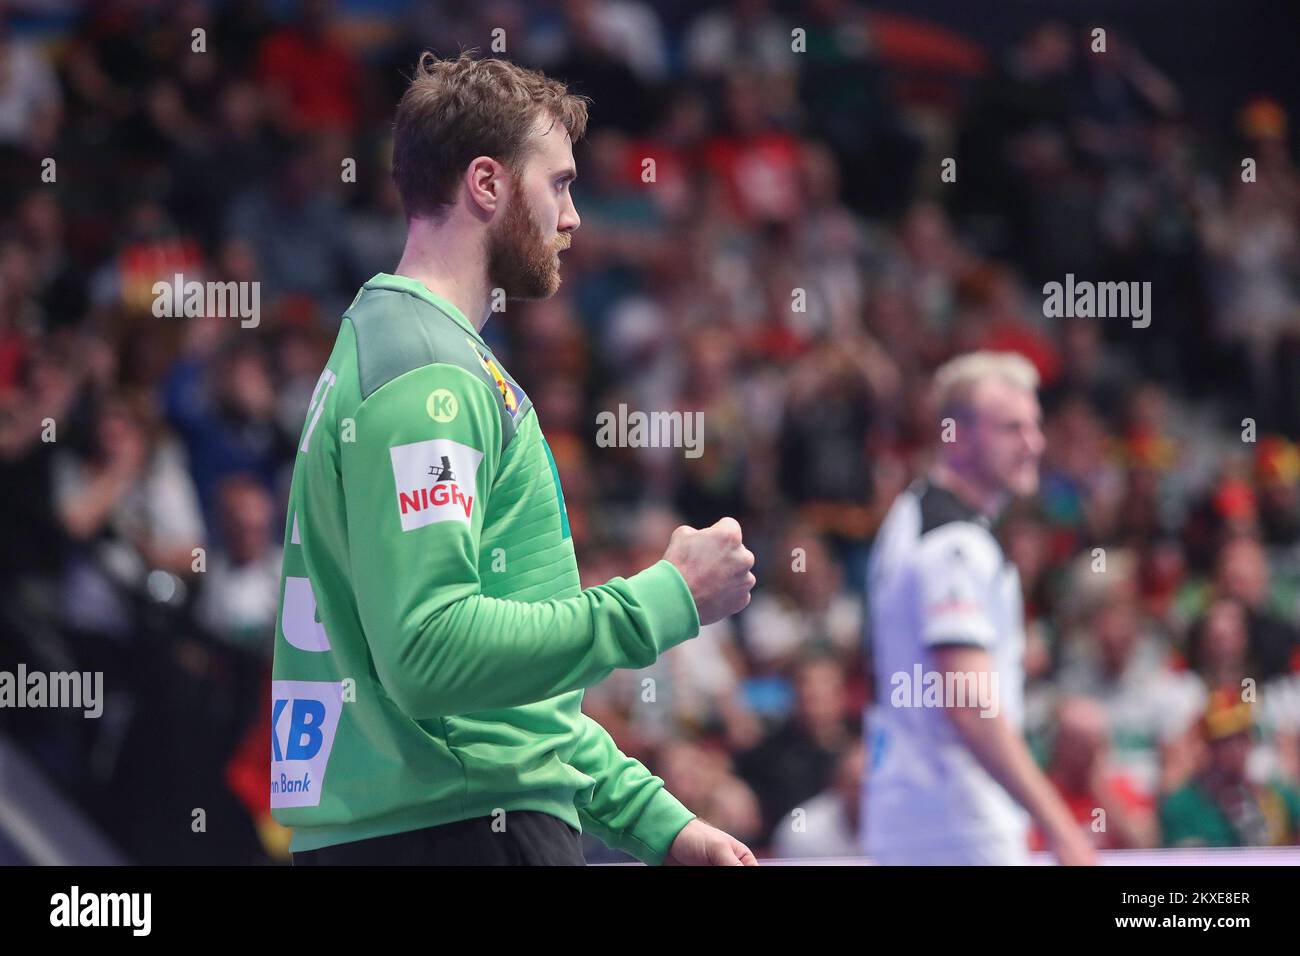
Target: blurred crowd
<point>791,263</point>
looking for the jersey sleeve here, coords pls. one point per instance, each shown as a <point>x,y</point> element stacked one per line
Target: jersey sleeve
<point>955,570</point>
<point>417,479</point>
<point>630,809</point>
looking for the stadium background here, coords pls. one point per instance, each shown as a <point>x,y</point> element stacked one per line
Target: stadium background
<point>774,171</point>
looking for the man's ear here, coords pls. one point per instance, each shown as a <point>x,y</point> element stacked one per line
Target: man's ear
<point>485,180</point>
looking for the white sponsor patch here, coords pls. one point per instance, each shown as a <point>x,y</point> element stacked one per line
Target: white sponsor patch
<point>435,481</point>
<point>298,619</point>
<point>304,718</point>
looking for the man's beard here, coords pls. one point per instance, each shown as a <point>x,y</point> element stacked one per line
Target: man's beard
<point>520,260</point>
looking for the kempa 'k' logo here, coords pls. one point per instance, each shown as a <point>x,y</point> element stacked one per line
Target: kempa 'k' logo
<point>441,405</point>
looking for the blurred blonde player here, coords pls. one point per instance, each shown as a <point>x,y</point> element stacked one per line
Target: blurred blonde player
<point>950,779</point>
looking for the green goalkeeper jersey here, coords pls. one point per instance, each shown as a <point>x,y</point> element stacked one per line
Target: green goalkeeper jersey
<point>433,640</point>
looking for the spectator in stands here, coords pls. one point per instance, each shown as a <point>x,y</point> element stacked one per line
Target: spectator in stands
<point>240,594</point>
<point>131,508</point>
<point>828,824</point>
<point>1219,648</point>
<point>1222,805</point>
<point>297,229</point>
<point>805,606</point>
<point>743,33</point>
<point>223,407</point>
<point>310,78</point>
<point>30,99</point>
<point>797,760</point>
<point>1104,802</point>
<point>1116,660</point>
<point>1242,574</point>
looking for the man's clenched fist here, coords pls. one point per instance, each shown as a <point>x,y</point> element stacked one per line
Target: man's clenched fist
<point>715,564</point>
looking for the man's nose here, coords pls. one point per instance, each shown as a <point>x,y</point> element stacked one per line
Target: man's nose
<point>569,218</point>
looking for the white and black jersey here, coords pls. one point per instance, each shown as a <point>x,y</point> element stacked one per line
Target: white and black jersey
<point>938,576</point>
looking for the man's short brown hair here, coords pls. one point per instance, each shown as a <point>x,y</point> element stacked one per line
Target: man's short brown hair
<point>455,110</point>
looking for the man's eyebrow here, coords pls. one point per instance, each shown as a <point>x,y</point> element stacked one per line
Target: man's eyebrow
<point>568,174</point>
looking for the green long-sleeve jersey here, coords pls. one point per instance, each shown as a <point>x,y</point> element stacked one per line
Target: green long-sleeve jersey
<point>433,640</point>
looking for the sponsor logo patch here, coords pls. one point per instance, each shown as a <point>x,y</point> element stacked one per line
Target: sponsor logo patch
<point>304,719</point>
<point>435,481</point>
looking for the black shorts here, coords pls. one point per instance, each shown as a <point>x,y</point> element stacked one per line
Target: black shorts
<point>529,838</point>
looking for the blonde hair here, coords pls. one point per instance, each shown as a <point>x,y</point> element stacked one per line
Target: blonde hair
<point>955,380</point>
